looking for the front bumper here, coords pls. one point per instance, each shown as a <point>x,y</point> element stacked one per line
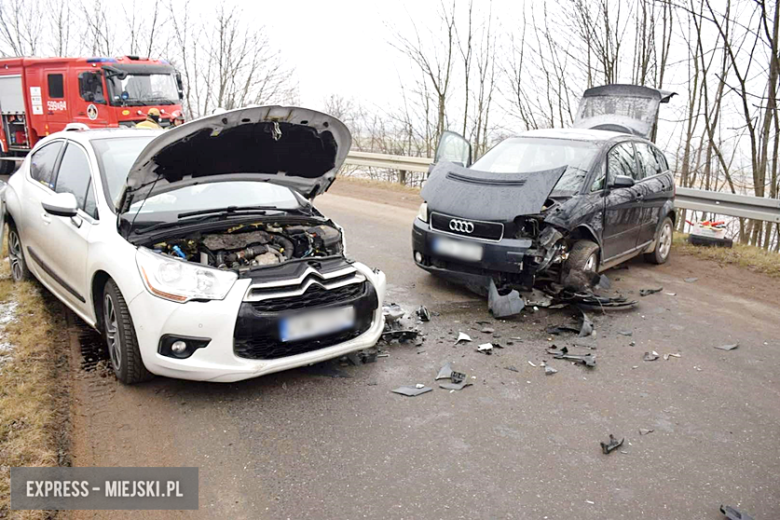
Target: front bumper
<point>503,261</point>
<point>154,317</point>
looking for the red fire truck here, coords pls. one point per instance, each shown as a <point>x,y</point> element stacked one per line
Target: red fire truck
<point>40,96</point>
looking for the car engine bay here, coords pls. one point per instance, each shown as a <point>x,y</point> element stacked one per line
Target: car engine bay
<point>247,246</point>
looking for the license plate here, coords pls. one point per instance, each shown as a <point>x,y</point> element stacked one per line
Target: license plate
<point>317,323</point>
<point>457,249</point>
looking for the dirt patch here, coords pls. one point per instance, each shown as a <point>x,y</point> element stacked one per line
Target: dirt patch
<point>744,256</point>
<point>377,191</point>
<point>34,386</point>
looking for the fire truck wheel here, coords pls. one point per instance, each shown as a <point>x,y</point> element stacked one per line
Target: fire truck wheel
<point>6,167</point>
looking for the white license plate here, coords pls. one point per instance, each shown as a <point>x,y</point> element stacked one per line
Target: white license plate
<point>457,249</point>
<point>316,323</point>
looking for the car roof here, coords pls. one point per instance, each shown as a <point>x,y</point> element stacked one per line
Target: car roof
<point>85,136</point>
<point>577,134</point>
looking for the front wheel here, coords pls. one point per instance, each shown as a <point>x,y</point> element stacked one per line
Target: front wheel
<point>121,339</point>
<point>581,268</point>
<point>663,243</point>
<point>19,270</point>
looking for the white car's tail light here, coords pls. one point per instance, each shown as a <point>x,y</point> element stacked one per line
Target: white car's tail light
<point>181,281</point>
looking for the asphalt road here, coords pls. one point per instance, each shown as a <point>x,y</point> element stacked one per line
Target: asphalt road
<point>516,444</point>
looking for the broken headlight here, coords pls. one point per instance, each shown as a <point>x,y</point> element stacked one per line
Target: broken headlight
<point>180,281</point>
<point>422,213</point>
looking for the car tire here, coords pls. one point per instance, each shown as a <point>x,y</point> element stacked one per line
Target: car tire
<point>663,243</point>
<point>121,341</point>
<point>19,270</point>
<point>6,167</point>
<point>582,266</point>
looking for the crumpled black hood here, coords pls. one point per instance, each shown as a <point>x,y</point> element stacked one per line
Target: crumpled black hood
<point>458,191</point>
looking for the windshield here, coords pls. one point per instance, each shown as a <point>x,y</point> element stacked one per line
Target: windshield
<point>218,195</point>
<point>115,157</point>
<point>529,155</point>
<point>144,89</point>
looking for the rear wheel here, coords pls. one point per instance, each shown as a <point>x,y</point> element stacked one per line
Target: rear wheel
<point>19,270</point>
<point>663,243</point>
<point>121,339</point>
<point>581,268</point>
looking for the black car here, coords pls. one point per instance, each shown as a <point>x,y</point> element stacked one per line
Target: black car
<point>556,206</point>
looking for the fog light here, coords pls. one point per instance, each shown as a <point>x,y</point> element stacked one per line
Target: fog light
<point>418,257</point>
<point>179,347</point>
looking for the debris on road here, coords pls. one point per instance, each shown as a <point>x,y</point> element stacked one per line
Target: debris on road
<point>511,368</point>
<point>589,360</point>
<point>401,335</point>
<point>625,333</point>
<point>648,292</point>
<point>670,293</point>
<point>393,312</point>
<point>462,337</point>
<point>531,363</point>
<point>645,431</point>
<point>734,514</point>
<point>487,330</point>
<point>667,356</point>
<point>503,306</point>
<point>733,346</point>
<point>457,377</point>
<point>485,348</point>
<point>423,313</point>
<point>650,356</point>
<point>445,372</point>
<point>455,386</point>
<point>632,344</point>
<point>586,329</point>
<point>538,298</point>
<point>604,282</point>
<point>412,391</point>
<point>612,445</point>
<point>597,302</point>
<point>548,370</point>
<point>558,329</point>
<point>692,279</point>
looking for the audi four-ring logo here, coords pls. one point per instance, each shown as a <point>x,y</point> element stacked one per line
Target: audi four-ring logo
<point>461,226</point>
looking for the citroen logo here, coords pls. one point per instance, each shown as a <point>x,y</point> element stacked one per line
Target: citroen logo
<point>461,226</point>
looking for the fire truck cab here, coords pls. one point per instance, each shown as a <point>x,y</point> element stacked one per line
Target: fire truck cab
<point>40,96</point>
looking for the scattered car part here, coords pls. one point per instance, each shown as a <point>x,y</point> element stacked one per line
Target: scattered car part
<point>604,282</point>
<point>734,514</point>
<point>457,377</point>
<point>423,313</point>
<point>645,431</point>
<point>445,372</point>
<point>612,445</point>
<point>412,391</point>
<point>455,386</point>
<point>589,360</point>
<point>650,356</point>
<point>667,356</point>
<point>504,306</point>
<point>586,329</point>
<point>532,363</point>
<point>558,329</point>
<point>548,370</point>
<point>462,337</point>
<point>485,348</point>
<point>511,368</point>
<point>648,292</point>
<point>625,333</point>
<point>732,346</point>
<point>393,312</point>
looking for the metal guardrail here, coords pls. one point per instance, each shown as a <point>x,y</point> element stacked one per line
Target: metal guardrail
<point>687,198</point>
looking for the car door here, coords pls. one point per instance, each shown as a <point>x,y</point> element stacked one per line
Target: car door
<point>622,205</point>
<point>453,148</point>
<point>33,226</point>
<point>66,247</point>
<point>653,188</point>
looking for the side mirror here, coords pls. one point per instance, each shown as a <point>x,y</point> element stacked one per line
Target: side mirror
<point>622,181</point>
<point>61,205</point>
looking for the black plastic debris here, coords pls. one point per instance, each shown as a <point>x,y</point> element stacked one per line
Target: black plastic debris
<point>423,313</point>
<point>457,377</point>
<point>412,391</point>
<point>648,292</point>
<point>511,368</point>
<point>691,280</point>
<point>454,386</point>
<point>503,306</point>
<point>604,282</point>
<point>593,301</point>
<point>589,360</point>
<point>733,346</point>
<point>558,329</point>
<point>650,356</point>
<point>402,335</point>
<point>612,445</point>
<point>734,514</point>
<point>445,372</point>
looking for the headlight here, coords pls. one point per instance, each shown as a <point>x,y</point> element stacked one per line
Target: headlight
<point>422,213</point>
<point>180,281</point>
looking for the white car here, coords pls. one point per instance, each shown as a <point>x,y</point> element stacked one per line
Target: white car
<point>196,251</point>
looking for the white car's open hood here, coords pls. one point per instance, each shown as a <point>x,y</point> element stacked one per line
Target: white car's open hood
<point>291,146</point>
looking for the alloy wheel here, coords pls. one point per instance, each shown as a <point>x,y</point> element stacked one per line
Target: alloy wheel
<point>112,332</point>
<point>15,254</point>
<point>665,240</point>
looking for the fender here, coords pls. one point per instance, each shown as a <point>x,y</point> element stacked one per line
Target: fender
<point>667,210</point>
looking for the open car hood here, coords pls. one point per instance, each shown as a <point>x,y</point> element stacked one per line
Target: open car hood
<point>291,146</point>
<point>472,194</point>
<point>630,109</point>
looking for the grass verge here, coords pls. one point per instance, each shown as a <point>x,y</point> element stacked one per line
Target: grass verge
<point>749,257</point>
<point>33,390</point>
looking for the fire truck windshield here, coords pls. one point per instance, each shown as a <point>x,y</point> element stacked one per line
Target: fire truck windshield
<point>144,89</point>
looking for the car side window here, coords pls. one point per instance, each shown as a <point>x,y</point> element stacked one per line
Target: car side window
<point>74,174</point>
<point>647,159</point>
<point>42,163</point>
<point>90,204</point>
<point>91,87</point>
<point>621,162</point>
<point>661,159</point>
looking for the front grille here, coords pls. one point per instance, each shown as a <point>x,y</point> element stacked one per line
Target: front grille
<point>482,229</point>
<point>257,326</point>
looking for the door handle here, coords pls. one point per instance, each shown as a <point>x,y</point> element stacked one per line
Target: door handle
<point>46,218</point>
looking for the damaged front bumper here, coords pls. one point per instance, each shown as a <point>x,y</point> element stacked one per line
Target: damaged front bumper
<point>512,262</point>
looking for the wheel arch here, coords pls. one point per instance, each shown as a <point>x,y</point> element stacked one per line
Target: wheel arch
<point>99,280</point>
<point>585,232</point>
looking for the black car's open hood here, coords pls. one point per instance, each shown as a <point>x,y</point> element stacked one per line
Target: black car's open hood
<point>458,191</point>
<point>294,147</point>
